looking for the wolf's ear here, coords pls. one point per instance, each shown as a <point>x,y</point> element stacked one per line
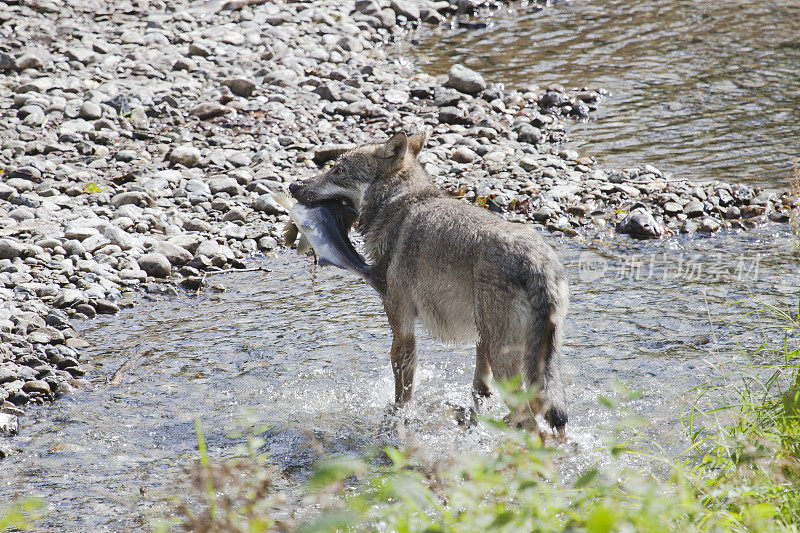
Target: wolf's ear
<point>394,150</point>
<point>415,143</point>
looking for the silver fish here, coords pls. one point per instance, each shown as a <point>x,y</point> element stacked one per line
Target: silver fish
<point>324,227</point>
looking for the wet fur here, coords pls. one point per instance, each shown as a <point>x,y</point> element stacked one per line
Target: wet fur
<point>464,273</point>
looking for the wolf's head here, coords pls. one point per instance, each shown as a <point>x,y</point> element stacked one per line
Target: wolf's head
<point>356,171</point>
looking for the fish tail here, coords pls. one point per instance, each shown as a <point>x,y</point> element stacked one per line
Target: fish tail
<point>283,200</point>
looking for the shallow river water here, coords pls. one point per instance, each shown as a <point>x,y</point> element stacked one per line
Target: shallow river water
<point>706,89</point>
<point>307,350</point>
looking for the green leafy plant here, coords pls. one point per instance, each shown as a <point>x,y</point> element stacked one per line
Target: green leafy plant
<point>745,426</point>
<point>92,188</point>
<point>513,488</point>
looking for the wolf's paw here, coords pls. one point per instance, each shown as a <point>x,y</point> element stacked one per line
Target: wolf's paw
<point>393,422</point>
<point>480,393</point>
<point>557,418</point>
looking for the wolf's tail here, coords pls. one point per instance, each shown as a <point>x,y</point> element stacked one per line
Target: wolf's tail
<point>542,356</point>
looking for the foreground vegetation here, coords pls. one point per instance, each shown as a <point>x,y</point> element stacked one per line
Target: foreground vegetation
<point>741,474</point>
<point>20,515</point>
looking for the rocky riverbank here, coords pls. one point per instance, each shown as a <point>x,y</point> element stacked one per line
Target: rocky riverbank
<point>142,141</point>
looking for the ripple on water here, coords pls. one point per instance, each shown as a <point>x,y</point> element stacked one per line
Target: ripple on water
<point>707,89</point>
<point>307,351</point>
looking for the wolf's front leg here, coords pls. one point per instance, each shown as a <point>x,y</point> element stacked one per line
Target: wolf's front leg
<point>401,314</point>
<point>404,363</point>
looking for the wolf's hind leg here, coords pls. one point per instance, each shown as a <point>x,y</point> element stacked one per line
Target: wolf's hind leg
<point>521,415</point>
<point>404,364</point>
<point>480,383</point>
<point>502,343</point>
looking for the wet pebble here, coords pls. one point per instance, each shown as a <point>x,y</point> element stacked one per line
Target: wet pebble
<point>694,209</point>
<point>640,224</point>
<point>90,111</point>
<point>709,225</point>
<point>185,155</point>
<point>9,425</point>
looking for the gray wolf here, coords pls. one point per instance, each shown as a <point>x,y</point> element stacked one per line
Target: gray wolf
<point>466,274</point>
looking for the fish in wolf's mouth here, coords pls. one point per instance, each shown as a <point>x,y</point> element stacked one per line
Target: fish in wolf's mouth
<point>324,226</point>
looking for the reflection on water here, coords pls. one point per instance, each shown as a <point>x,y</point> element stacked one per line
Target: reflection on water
<point>706,89</point>
<point>307,350</point>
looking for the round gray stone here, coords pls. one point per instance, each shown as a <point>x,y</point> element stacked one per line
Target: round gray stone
<point>464,155</point>
<point>90,111</point>
<point>10,249</point>
<point>465,80</point>
<point>186,155</point>
<point>241,86</point>
<point>155,264</point>
<point>640,224</point>
<point>266,203</point>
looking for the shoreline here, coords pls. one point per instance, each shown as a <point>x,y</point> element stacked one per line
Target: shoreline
<point>144,146</point>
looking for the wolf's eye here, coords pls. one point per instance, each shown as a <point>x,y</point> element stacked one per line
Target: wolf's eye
<point>339,170</point>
